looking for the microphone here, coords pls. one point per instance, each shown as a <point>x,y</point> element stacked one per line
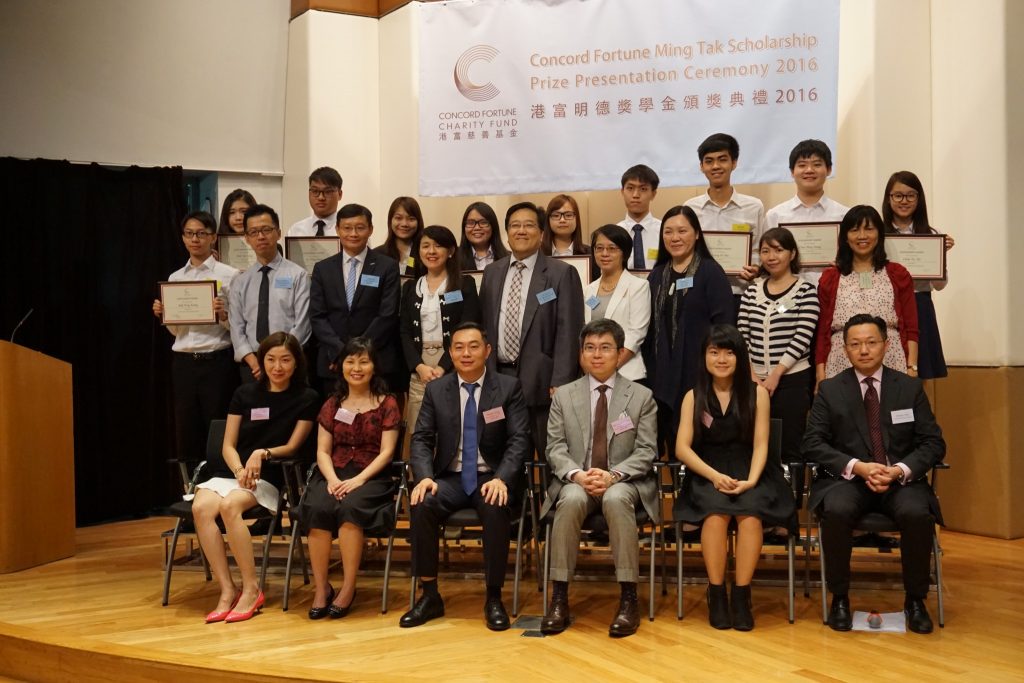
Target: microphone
<point>18,326</point>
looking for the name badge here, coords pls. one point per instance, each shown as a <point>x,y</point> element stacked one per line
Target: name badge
<point>865,280</point>
<point>706,419</point>
<point>546,296</point>
<point>741,227</point>
<point>410,262</point>
<point>494,414</point>
<point>282,283</point>
<point>652,254</point>
<point>453,297</point>
<point>784,305</point>
<point>367,280</point>
<point>623,424</point>
<point>684,283</point>
<point>902,416</point>
<point>592,302</point>
<point>259,414</point>
<point>345,415</point>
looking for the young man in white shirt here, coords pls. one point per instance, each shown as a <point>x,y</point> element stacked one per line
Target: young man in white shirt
<point>639,188</point>
<point>324,197</point>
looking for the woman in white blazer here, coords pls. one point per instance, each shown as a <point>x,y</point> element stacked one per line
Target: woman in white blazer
<point>619,295</point>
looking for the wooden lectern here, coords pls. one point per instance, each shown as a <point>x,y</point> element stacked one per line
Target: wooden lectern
<point>37,459</point>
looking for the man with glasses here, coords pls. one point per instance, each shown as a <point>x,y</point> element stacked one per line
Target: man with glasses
<point>272,295</point>
<point>873,435</point>
<point>602,436</point>
<point>202,370</point>
<point>324,197</point>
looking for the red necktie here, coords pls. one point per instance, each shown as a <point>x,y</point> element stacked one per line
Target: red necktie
<point>599,444</point>
<point>874,414</point>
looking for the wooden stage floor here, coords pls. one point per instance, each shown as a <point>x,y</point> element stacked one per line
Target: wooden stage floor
<point>97,617</point>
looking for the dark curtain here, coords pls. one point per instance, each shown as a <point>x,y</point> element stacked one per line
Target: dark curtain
<point>86,246</point>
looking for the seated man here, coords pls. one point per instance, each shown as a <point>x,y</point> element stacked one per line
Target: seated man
<point>875,439</point>
<point>468,449</point>
<point>602,437</point>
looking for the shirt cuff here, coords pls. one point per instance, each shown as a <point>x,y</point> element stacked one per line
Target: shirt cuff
<point>572,473</point>
<point>848,470</point>
<point>905,479</point>
<point>622,477</point>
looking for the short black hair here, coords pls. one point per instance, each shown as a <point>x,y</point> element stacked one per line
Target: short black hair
<point>642,173</point>
<point>471,325</point>
<point>596,328</point>
<point>354,211</point>
<point>617,235</point>
<point>866,319</point>
<point>525,205</point>
<point>326,175</point>
<point>784,238</point>
<point>260,210</point>
<point>203,217</point>
<point>719,142</point>
<point>805,149</point>
<point>862,213</point>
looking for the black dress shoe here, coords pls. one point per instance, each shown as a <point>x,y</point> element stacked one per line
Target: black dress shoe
<point>839,616</point>
<point>337,612</point>
<point>426,608</point>
<point>495,615</point>
<point>627,621</point>
<point>557,619</point>
<point>916,613</point>
<point>718,607</point>
<point>321,612</point>
<point>739,608</point>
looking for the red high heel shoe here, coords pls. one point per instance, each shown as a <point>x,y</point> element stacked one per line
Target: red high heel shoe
<point>245,616</point>
<point>214,617</point>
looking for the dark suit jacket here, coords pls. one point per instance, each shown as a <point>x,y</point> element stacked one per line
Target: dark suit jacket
<point>451,315</point>
<point>549,344</point>
<point>504,443</point>
<point>374,312</point>
<point>837,429</point>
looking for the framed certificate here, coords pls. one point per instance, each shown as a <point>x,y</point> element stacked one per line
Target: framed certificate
<point>730,249</point>
<point>817,241</point>
<point>478,277</point>
<point>923,255</point>
<point>235,252</point>
<point>640,273</point>
<point>188,303</point>
<point>309,251</point>
<point>582,265</point>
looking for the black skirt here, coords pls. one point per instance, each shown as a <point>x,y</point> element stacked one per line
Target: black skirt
<point>931,363</point>
<point>371,507</point>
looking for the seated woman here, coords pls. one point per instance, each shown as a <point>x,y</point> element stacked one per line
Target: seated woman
<point>353,490</point>
<point>726,418</point>
<point>267,419</point>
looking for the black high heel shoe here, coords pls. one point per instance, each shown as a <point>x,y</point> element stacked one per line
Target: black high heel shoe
<point>337,612</point>
<point>321,612</point>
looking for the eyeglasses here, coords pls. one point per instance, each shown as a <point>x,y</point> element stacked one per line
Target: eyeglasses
<point>266,232</point>
<point>353,229</point>
<point>603,349</point>
<point>559,215</point>
<point>606,249</point>
<point>871,345</point>
<point>323,193</point>
<point>903,197</point>
<point>470,223</point>
<point>193,235</point>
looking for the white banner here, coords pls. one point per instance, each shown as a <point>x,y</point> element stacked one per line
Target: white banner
<point>519,96</point>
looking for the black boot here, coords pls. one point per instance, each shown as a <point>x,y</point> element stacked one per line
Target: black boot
<point>557,619</point>
<point>627,620</point>
<point>718,606</point>
<point>739,606</point>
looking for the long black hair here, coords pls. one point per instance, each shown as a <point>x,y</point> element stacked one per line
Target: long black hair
<point>497,246</point>
<point>225,209</point>
<point>354,347</point>
<point>744,392</point>
<point>920,216</point>
<point>854,218</point>
<point>699,247</point>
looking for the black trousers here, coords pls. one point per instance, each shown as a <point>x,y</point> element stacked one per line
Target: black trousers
<point>428,516</point>
<point>668,429</point>
<point>909,506</point>
<point>538,419</point>
<point>202,391</point>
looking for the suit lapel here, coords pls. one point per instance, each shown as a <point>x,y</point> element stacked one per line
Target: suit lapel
<point>855,400</point>
<point>538,283</point>
<point>581,406</point>
<point>618,294</point>
<point>617,405</point>
<point>488,399</point>
<point>889,401</point>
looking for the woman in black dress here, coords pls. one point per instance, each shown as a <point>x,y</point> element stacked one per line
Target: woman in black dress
<point>481,244</point>
<point>353,490</point>
<point>723,442</point>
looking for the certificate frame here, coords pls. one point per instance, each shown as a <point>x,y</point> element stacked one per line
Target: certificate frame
<point>188,302</point>
<point>725,248</point>
<point>817,242</point>
<point>924,256</point>
<point>478,277</point>
<point>306,252</point>
<point>581,262</point>
<point>234,251</point>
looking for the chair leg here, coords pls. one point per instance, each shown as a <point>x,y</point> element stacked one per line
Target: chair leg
<point>170,560</point>
<point>288,568</point>
<point>519,559</point>
<point>679,570</point>
<point>206,565</point>
<point>824,590</point>
<point>650,592</point>
<point>664,561</point>
<point>937,550</point>
<point>807,559</point>
<point>791,551</point>
<point>387,573</point>
<point>547,567</point>
<point>302,561</point>
<point>266,553</point>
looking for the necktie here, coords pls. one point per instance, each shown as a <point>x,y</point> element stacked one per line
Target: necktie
<point>513,325</point>
<point>320,228</point>
<point>874,414</point>
<point>599,444</point>
<point>469,456</point>
<point>639,262</point>
<point>350,284</point>
<point>263,306</point>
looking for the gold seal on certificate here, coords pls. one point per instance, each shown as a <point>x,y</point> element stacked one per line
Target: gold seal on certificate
<point>818,242</point>
<point>234,251</point>
<point>188,303</point>
<point>924,256</point>
<point>730,249</point>
<point>309,251</point>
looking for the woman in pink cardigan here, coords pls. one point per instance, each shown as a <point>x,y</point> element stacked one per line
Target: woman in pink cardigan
<point>864,281</point>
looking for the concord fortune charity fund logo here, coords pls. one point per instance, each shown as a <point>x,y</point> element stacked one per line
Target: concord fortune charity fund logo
<point>469,89</point>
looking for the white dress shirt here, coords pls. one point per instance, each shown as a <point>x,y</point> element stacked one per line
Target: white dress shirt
<point>741,210</point>
<point>531,264</point>
<point>289,304</point>
<point>203,338</point>
<point>877,376</point>
<point>485,260</point>
<point>594,395</point>
<point>651,235</point>
<point>307,226</point>
<point>346,266</point>
<point>431,330</point>
<point>481,465</point>
<point>795,211</point>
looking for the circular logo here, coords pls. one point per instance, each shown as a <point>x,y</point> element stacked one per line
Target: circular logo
<point>469,89</point>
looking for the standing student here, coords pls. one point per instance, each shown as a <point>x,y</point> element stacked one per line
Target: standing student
<point>232,213</point>
<point>563,234</point>
<point>324,197</point>
<point>905,212</point>
<point>203,371</point>
<point>481,244</point>
<point>639,188</point>
<point>405,225</point>
<point>271,296</point>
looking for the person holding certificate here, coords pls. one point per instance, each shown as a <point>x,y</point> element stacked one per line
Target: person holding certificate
<point>563,235</point>
<point>689,293</point>
<point>865,281</point>
<point>905,212</point>
<point>405,225</point>
<point>232,213</point>
<point>778,314</point>
<point>267,419</point>
<point>481,244</point>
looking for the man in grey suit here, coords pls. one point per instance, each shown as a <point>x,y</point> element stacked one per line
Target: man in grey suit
<point>532,311</point>
<point>602,436</point>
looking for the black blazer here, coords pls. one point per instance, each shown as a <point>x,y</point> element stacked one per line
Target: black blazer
<point>837,429</point>
<point>503,443</point>
<point>451,315</point>
<point>374,312</point>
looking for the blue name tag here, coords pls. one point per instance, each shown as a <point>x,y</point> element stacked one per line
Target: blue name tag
<point>546,296</point>
<point>282,283</point>
<point>684,283</point>
<point>369,280</point>
<point>592,302</point>
<point>453,297</point>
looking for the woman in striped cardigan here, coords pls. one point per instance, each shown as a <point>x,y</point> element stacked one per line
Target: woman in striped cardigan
<point>778,315</point>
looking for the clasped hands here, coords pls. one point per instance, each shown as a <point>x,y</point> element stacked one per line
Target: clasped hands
<point>594,481</point>
<point>878,477</point>
<point>339,488</point>
<point>248,475</point>
<point>729,486</point>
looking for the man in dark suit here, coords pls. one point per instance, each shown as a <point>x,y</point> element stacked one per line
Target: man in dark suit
<point>468,450</point>
<point>875,439</point>
<point>353,294</point>
<point>533,313</point>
